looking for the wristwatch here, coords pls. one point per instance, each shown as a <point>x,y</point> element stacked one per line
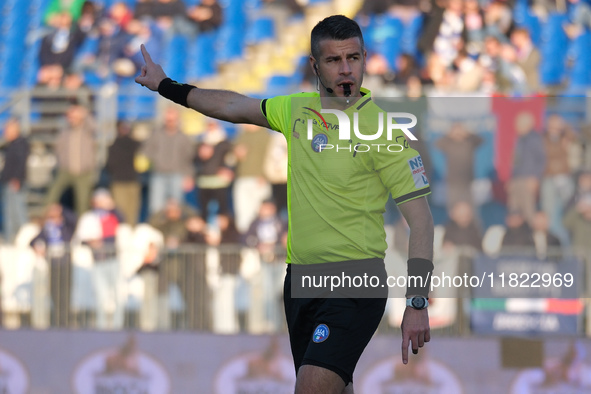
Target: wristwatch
<point>417,302</point>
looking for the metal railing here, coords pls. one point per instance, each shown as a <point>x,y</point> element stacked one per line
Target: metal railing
<point>227,289</point>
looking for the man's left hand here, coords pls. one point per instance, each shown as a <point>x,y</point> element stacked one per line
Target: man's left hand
<point>415,329</point>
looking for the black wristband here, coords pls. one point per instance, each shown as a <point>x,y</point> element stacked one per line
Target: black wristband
<point>175,91</point>
<point>419,277</point>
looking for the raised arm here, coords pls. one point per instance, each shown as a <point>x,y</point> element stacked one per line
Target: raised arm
<point>219,104</point>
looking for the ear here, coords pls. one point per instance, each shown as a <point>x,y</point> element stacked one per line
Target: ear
<point>364,60</point>
<point>313,64</point>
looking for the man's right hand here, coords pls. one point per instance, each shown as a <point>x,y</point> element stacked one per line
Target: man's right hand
<point>151,74</point>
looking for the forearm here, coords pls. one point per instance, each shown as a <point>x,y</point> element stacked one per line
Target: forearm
<point>218,104</point>
<point>420,244</point>
<point>215,103</point>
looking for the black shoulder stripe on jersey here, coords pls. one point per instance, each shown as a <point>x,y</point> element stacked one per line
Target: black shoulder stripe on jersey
<point>264,107</point>
<point>363,103</point>
<point>409,196</point>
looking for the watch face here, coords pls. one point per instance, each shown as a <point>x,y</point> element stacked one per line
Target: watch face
<point>418,302</point>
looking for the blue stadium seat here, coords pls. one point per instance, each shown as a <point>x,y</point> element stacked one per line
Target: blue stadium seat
<point>175,61</point>
<point>230,44</point>
<point>261,29</point>
<point>235,13</point>
<point>282,84</point>
<point>202,56</point>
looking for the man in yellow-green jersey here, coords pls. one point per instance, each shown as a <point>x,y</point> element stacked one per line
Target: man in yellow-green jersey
<point>337,187</point>
<point>346,156</point>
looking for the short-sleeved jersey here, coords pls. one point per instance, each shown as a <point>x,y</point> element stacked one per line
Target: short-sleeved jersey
<point>338,188</point>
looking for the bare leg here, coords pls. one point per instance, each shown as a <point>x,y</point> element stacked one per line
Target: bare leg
<point>317,380</point>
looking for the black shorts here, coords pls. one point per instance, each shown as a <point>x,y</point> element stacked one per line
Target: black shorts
<point>330,332</point>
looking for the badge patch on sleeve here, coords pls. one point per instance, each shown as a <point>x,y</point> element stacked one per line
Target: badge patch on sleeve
<point>418,172</point>
<point>320,333</point>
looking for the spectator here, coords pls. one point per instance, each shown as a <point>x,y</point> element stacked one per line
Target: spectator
<point>170,221</point>
<point>226,236</point>
<point>97,229</point>
<point>451,33</point>
<point>12,178</point>
<point>431,27</point>
<point>163,11</point>
<point>529,163</point>
<point>50,76</point>
<point>512,72</point>
<point>493,61</point>
<point>498,18</point>
<point>75,150</point>
<point>378,72</point>
<point>214,173</point>
<point>546,243</point>
<point>111,43</point>
<point>225,233</point>
<point>406,67</point>
<point>76,9</point>
<point>266,234</point>
<point>170,151</point>
<point>518,236</point>
<point>414,89</point>
<point>139,32</point>
<point>528,58</point>
<point>275,168</point>
<point>196,230</point>
<point>459,147</point>
<point>580,18</point>
<point>265,231</point>
<point>121,14</point>
<point>231,297</point>
<point>557,187</point>
<point>582,190</point>
<point>469,73</point>
<point>462,230</point>
<point>125,184</point>
<point>578,223</point>
<point>475,29</point>
<point>53,243</point>
<point>206,16</point>
<point>149,272</point>
<point>60,46</point>
<point>375,7</point>
<point>250,186</point>
<point>292,6</point>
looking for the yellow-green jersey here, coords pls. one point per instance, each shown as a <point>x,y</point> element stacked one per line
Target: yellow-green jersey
<point>338,188</point>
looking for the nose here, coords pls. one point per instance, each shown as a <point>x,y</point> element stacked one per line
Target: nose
<point>345,68</point>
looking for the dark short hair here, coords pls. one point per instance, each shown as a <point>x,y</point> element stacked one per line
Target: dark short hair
<point>335,27</point>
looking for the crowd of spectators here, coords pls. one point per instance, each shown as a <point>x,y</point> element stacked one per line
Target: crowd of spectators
<point>84,38</point>
<point>197,193</point>
<point>470,46</point>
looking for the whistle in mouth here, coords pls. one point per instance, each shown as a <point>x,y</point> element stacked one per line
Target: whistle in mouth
<point>347,89</point>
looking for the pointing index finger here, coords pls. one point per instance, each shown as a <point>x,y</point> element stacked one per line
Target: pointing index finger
<point>145,54</point>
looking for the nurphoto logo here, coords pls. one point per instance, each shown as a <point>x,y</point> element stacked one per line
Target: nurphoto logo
<point>344,127</point>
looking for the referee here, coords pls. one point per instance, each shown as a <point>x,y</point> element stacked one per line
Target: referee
<point>336,197</point>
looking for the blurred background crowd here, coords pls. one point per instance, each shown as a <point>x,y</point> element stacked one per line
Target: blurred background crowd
<point>119,208</point>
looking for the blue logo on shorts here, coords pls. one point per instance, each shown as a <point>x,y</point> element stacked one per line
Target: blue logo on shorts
<point>320,333</point>
<point>319,142</point>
